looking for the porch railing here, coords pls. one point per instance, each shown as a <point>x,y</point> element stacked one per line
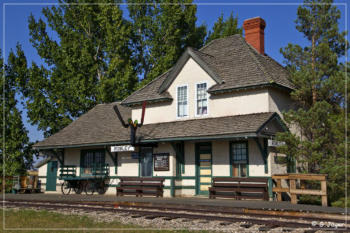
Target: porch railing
<point>294,191</point>
<point>68,171</point>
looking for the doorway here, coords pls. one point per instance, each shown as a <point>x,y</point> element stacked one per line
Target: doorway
<point>204,168</point>
<point>51,176</point>
<point>146,161</point>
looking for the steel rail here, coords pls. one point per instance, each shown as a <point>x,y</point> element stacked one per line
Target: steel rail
<point>268,223</point>
<point>212,209</point>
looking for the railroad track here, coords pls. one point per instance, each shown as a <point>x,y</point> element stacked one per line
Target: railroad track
<point>170,213</point>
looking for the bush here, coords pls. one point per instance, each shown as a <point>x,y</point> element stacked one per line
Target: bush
<point>341,203</point>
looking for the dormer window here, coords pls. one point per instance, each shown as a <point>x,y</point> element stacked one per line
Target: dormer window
<point>202,99</point>
<point>182,102</point>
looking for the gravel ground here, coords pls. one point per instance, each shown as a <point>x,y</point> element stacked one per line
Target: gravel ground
<point>177,224</point>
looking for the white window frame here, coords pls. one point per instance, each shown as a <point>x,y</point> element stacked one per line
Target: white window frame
<point>177,103</point>
<point>196,100</point>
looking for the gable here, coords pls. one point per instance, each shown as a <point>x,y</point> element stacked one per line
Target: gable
<point>190,75</point>
<point>201,59</point>
<point>272,126</point>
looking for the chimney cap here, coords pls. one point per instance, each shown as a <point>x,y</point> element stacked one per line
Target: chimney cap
<point>253,23</point>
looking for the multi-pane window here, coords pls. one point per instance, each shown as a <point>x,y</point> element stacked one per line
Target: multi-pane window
<point>202,99</point>
<point>239,153</point>
<point>182,101</point>
<point>92,159</point>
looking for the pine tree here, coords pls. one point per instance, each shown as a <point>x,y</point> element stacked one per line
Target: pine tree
<point>317,142</point>
<point>224,28</point>
<point>161,34</point>
<point>16,153</point>
<point>89,63</point>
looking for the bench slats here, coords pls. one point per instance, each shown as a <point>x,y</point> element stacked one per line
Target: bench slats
<point>239,188</point>
<point>152,186</point>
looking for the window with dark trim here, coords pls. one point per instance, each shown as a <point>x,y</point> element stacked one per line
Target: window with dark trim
<point>239,153</point>
<point>202,99</point>
<point>91,159</point>
<point>182,101</point>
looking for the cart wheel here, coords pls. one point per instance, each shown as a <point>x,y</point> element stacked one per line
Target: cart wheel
<point>65,188</point>
<point>78,188</point>
<point>90,187</point>
<point>101,189</point>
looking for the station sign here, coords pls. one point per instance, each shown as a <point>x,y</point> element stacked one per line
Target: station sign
<point>124,148</point>
<point>274,143</point>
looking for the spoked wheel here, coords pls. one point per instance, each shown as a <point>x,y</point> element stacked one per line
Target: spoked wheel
<point>66,187</point>
<point>90,187</point>
<point>101,187</point>
<point>78,188</point>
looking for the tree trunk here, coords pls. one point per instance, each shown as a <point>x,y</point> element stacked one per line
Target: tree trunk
<point>313,66</point>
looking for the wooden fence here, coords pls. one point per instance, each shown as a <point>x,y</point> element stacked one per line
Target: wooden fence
<point>292,189</point>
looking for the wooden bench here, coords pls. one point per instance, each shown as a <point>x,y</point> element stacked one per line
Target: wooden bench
<point>239,188</point>
<point>141,186</point>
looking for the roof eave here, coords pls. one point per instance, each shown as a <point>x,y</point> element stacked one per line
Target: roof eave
<point>136,103</point>
<point>242,135</point>
<point>251,87</point>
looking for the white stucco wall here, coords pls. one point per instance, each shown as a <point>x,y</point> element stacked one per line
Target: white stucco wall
<point>72,157</point>
<point>256,162</point>
<point>279,101</point>
<point>221,158</point>
<point>218,106</point>
<point>190,160</point>
<point>42,171</point>
<point>166,148</point>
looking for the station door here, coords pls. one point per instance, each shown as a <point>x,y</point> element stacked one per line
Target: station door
<point>204,168</point>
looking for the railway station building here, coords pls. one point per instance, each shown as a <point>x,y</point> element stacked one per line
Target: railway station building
<point>214,114</point>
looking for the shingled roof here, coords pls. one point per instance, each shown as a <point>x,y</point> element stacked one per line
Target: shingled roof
<point>100,126</point>
<point>236,63</point>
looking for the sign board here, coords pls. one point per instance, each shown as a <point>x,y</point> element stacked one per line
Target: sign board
<point>274,143</point>
<point>122,148</point>
<point>161,161</point>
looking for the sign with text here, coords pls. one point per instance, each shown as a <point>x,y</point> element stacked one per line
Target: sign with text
<point>122,148</point>
<point>161,161</point>
<point>275,143</point>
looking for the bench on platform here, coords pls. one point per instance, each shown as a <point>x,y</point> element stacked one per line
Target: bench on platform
<point>239,188</point>
<point>141,186</point>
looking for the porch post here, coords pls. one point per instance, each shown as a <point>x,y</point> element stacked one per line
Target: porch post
<point>180,157</point>
<point>263,151</point>
<point>114,159</point>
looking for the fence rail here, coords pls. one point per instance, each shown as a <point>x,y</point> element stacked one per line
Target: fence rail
<point>294,191</point>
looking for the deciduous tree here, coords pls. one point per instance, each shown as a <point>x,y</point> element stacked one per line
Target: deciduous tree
<point>87,60</point>
<point>161,34</point>
<point>15,154</point>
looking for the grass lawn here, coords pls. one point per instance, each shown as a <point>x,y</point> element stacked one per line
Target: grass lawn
<point>46,220</point>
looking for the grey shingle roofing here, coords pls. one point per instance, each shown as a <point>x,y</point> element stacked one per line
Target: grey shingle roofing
<point>235,62</point>
<point>100,126</point>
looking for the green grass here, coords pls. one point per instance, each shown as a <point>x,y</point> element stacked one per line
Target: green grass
<point>46,220</point>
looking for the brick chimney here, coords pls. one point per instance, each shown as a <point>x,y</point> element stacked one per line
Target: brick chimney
<point>254,33</point>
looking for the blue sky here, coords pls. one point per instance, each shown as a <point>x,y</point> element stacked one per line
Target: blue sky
<point>279,16</point>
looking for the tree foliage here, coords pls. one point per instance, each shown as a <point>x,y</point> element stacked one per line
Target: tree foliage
<point>224,28</point>
<point>89,62</point>
<point>16,152</point>
<point>161,33</point>
<point>318,120</point>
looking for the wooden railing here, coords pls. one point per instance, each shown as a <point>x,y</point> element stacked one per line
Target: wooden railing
<point>292,189</point>
<point>68,171</point>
